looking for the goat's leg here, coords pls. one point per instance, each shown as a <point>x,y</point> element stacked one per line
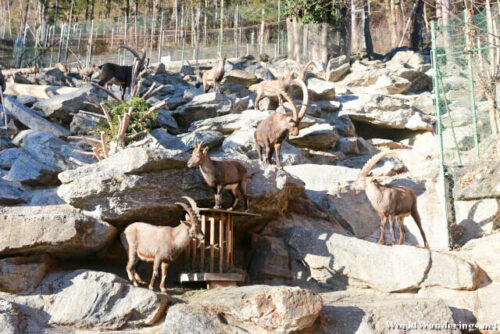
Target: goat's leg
<point>132,262</point>
<point>277,147</point>
<point>124,88</point>
<point>257,100</point>
<point>383,223</point>
<point>402,231</point>
<point>234,192</point>
<point>258,149</point>
<point>156,266</point>
<point>391,226</point>
<point>218,197</point>
<point>243,191</point>
<point>268,152</point>
<point>164,266</point>
<point>138,278</point>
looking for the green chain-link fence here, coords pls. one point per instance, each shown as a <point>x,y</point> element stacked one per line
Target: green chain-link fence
<point>466,64</point>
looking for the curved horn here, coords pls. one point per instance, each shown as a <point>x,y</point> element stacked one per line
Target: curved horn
<point>194,206</point>
<point>289,99</point>
<point>372,162</point>
<point>136,55</point>
<point>190,212</point>
<point>305,98</point>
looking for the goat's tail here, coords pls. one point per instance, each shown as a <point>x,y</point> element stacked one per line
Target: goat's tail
<point>416,218</point>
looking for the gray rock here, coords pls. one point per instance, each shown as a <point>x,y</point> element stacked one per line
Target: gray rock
<point>354,145</point>
<point>392,85</point>
<point>209,138</point>
<point>386,111</point>
<point>227,124</point>
<point>251,309</point>
<point>239,77</point>
<point>22,274</point>
<point>321,90</point>
<point>44,196</point>
<point>11,193</point>
<point>476,181</point>
<point>406,58</point>
<point>58,230</point>
<point>337,68</point>
<point>364,261</point>
<point>54,77</point>
<point>201,107</point>
<point>10,319</point>
<point>60,107</point>
<point>161,138</point>
<point>478,217</point>
<point>81,126</point>
<point>43,156</point>
<point>318,137</point>
<point>27,100</point>
<point>8,157</point>
<point>167,121</point>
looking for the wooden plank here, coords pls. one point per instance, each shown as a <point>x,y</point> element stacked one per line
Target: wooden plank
<point>32,119</point>
<point>202,277</point>
<point>228,239</point>
<point>202,252</point>
<point>236,213</point>
<point>232,240</point>
<point>221,245</point>
<point>212,245</point>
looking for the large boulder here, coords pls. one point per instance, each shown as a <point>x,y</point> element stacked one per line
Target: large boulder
<point>385,111</point>
<point>228,123</point>
<point>375,314</point>
<point>406,58</point>
<point>253,309</point>
<point>389,269</point>
<point>60,107</point>
<point>202,106</point>
<point>144,184</point>
<point>484,252</point>
<point>105,302</point>
<point>58,230</point>
<point>239,77</point>
<point>22,274</point>
<point>11,193</point>
<point>209,138</point>
<point>476,181</point>
<point>337,68</point>
<point>321,90</point>
<point>42,157</point>
<point>10,319</point>
<point>318,137</point>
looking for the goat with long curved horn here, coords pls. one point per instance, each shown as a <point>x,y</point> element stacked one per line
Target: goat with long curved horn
<point>159,244</point>
<point>271,132</point>
<point>392,203</point>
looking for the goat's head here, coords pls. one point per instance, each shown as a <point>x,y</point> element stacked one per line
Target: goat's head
<point>192,219</point>
<point>199,155</point>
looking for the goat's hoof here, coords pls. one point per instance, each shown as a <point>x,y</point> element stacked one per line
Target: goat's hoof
<point>163,290</point>
<point>135,284</point>
<point>217,207</point>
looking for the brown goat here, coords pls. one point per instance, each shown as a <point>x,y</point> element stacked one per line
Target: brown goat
<point>271,88</point>
<point>271,132</point>
<point>221,174</point>
<point>121,75</point>
<point>87,72</point>
<point>160,244</point>
<point>214,76</point>
<point>391,203</point>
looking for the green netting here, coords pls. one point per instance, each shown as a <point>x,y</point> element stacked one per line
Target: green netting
<point>466,61</point>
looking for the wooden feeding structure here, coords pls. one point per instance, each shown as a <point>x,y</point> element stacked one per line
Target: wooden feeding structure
<point>212,261</point>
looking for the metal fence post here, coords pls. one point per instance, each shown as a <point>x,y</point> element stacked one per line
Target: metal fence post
<point>435,74</point>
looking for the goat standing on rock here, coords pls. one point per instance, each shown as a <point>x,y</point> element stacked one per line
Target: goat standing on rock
<point>214,76</point>
<point>221,174</point>
<point>271,132</point>
<point>391,203</point>
<point>160,244</point>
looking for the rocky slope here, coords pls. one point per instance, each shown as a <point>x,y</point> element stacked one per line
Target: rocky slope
<point>311,258</point>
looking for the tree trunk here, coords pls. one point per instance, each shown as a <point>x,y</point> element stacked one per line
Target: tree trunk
<point>72,8</point>
<point>367,33</point>
<point>354,27</point>
<point>391,10</point>
<point>416,34</point>
<point>86,10</point>
<point>92,10</point>
<point>108,8</point>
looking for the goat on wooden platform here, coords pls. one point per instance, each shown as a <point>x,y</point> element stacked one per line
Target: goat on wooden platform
<point>221,174</point>
<point>271,132</point>
<point>392,203</point>
<point>118,74</point>
<point>214,76</point>
<point>160,244</point>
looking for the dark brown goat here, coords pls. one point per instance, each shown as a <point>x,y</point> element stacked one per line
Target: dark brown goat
<point>221,174</point>
<point>160,244</point>
<point>118,74</point>
<point>2,81</point>
<point>275,128</point>
<point>392,203</point>
<point>214,76</point>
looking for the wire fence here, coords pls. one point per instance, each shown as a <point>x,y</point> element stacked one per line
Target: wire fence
<point>466,74</point>
<point>183,34</point>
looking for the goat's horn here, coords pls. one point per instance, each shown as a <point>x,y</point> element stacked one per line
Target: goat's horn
<point>372,162</point>
<point>134,52</point>
<point>190,211</point>
<point>305,98</point>
<point>193,204</point>
<point>288,99</point>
